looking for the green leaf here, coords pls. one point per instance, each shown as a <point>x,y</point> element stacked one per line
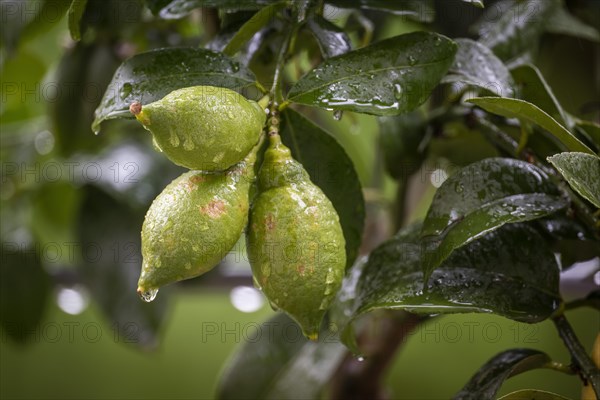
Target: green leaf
<point>279,364</point>
<point>486,383</point>
<point>175,9</point>
<point>390,77</point>
<point>514,108</point>
<point>562,22</point>
<point>332,40</point>
<point>476,65</point>
<point>418,10</point>
<point>111,264</point>
<point>331,169</point>
<point>481,198</point>
<point>511,272</point>
<point>517,30</point>
<point>534,89</point>
<point>249,29</point>
<point>24,290</point>
<point>532,394</point>
<point>75,13</point>
<point>150,76</point>
<point>591,130</point>
<point>582,171</point>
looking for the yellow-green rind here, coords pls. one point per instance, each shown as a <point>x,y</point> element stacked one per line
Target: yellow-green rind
<point>295,241</point>
<point>203,128</point>
<point>193,224</point>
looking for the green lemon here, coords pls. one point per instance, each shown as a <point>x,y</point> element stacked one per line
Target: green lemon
<point>193,224</point>
<point>295,241</point>
<point>203,128</point>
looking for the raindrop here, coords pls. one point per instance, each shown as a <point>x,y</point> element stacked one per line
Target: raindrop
<point>337,115</point>
<point>126,90</point>
<point>411,60</point>
<point>149,295</point>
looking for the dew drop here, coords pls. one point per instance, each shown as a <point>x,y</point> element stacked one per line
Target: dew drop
<point>337,115</point>
<point>397,91</point>
<point>411,60</point>
<point>149,295</point>
<point>360,359</point>
<point>126,90</point>
<point>459,188</point>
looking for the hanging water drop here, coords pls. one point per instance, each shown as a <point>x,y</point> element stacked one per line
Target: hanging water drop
<point>148,295</point>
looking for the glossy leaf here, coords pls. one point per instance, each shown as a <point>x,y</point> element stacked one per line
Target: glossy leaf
<point>532,394</point>
<point>495,274</point>
<point>476,65</point>
<point>111,264</point>
<point>486,383</point>
<point>481,198</point>
<point>517,31</point>
<point>74,14</point>
<point>24,290</point>
<point>418,10</point>
<point>534,89</point>
<point>331,169</point>
<point>251,27</point>
<point>175,9</point>
<point>332,40</point>
<point>562,22</point>
<point>514,108</point>
<point>150,76</point>
<point>582,171</point>
<point>390,77</point>
<point>279,364</point>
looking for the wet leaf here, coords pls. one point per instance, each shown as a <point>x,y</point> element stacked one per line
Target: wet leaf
<point>582,171</point>
<point>75,13</point>
<point>515,32</point>
<point>331,169</point>
<point>279,364</point>
<point>481,198</point>
<point>476,65</point>
<point>251,27</point>
<point>150,76</point>
<point>175,9</point>
<point>332,40</point>
<point>418,10</point>
<point>562,22</point>
<point>514,108</point>
<point>534,89</point>
<point>486,383</point>
<point>24,291</point>
<point>495,274</point>
<point>532,394</point>
<point>389,77</point>
<point>111,263</point>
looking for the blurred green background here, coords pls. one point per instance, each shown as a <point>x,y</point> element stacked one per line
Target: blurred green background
<point>95,338</point>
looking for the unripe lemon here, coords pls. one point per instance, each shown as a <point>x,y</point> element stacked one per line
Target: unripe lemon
<point>295,242</point>
<point>193,224</point>
<point>203,128</point>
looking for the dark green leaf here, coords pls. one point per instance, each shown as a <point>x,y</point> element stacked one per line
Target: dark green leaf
<point>486,383</point>
<point>390,77</point>
<point>582,171</point>
<point>481,198</point>
<point>150,76</point>
<point>591,130</point>
<point>419,10</point>
<point>510,272</point>
<point>279,364</point>
<point>562,22</point>
<point>111,264</point>
<point>75,13</point>
<point>331,169</point>
<point>517,30</point>
<point>514,108</point>
<point>24,290</point>
<point>175,9</point>
<point>532,394</point>
<point>332,40</point>
<point>476,65</point>
<point>249,29</point>
<point>534,89</point>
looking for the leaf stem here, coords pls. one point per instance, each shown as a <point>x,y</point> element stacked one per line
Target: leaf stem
<point>581,360</point>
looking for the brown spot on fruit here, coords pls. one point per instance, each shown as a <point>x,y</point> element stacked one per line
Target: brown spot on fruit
<point>214,209</point>
<point>301,268</point>
<point>270,222</point>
